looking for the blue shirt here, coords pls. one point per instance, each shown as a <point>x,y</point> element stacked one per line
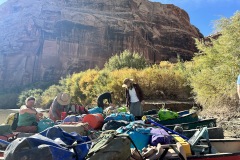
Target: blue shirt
<point>238,80</point>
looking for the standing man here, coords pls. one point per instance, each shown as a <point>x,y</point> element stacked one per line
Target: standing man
<point>102,97</point>
<point>134,98</point>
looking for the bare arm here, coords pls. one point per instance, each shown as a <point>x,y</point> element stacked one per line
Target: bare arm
<point>25,109</point>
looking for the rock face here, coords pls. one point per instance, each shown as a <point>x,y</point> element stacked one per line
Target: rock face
<point>43,40</point>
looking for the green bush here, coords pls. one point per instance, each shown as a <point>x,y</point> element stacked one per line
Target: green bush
<point>215,68</point>
<point>49,94</point>
<point>32,92</point>
<point>157,82</point>
<point>126,59</point>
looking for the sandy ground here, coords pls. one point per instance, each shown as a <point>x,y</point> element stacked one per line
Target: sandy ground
<point>227,118</point>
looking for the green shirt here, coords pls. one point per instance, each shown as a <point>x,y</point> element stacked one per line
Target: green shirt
<point>26,119</point>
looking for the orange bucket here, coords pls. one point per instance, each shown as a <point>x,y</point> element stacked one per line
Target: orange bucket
<point>95,121</point>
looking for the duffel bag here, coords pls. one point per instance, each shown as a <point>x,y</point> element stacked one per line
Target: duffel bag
<point>58,145</point>
<point>95,110</point>
<point>120,116</point>
<point>165,114</point>
<point>159,135</point>
<point>23,149</point>
<point>138,133</point>
<point>113,125</point>
<point>44,124</point>
<point>110,146</point>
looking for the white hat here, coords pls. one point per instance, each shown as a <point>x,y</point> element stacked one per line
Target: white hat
<point>63,98</point>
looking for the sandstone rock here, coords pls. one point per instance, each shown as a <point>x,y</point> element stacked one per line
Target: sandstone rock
<point>43,40</point>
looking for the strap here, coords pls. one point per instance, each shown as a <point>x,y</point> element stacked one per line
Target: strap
<point>179,154</point>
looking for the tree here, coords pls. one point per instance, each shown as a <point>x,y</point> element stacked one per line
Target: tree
<point>27,93</point>
<point>126,59</point>
<point>215,68</point>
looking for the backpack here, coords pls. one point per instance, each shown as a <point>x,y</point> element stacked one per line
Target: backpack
<point>44,124</point>
<point>139,134</point>
<point>119,116</point>
<point>110,146</point>
<point>113,125</point>
<point>71,118</point>
<point>12,120</point>
<point>122,109</point>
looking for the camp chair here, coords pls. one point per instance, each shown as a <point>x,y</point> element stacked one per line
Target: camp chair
<point>179,153</point>
<point>195,139</point>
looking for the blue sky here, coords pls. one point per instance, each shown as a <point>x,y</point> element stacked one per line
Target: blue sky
<point>203,12</point>
<point>1,1</point>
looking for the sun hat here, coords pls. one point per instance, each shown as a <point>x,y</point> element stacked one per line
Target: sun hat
<point>63,98</point>
<point>125,81</point>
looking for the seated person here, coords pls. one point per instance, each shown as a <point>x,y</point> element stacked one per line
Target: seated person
<point>102,97</point>
<point>59,105</point>
<point>28,117</point>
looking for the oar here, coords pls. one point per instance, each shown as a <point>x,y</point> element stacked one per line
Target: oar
<point>163,127</point>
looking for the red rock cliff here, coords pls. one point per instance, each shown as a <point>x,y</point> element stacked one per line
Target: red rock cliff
<point>43,40</point>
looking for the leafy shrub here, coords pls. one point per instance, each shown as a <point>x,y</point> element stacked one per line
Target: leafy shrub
<point>215,69</point>
<point>32,92</point>
<point>49,94</point>
<point>126,59</point>
<point>88,85</point>
<point>156,82</point>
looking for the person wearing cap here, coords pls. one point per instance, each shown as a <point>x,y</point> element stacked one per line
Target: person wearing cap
<point>102,97</point>
<point>28,117</point>
<point>134,98</point>
<point>59,105</point>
